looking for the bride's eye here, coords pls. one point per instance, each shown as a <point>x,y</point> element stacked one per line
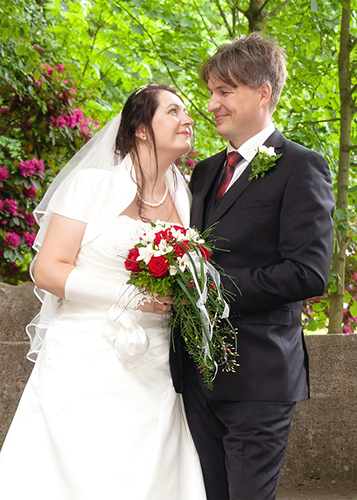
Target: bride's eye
<point>173,111</point>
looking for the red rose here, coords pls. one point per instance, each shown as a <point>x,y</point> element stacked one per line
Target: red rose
<point>158,266</point>
<point>205,253</point>
<point>179,250</point>
<point>131,263</point>
<point>162,235</point>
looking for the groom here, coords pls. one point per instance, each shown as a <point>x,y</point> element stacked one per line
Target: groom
<point>278,233</point>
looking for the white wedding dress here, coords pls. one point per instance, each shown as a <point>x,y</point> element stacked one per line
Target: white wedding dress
<point>91,426</point>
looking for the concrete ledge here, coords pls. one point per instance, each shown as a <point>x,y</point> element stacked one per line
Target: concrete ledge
<point>322,452</point>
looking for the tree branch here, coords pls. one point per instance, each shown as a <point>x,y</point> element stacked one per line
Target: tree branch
<point>277,9</point>
<point>205,25</point>
<point>312,122</point>
<point>166,66</point>
<point>99,26</point>
<point>224,18</point>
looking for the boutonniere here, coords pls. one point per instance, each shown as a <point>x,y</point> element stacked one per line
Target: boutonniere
<point>264,160</point>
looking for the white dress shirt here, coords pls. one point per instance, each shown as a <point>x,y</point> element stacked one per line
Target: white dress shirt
<point>248,150</point>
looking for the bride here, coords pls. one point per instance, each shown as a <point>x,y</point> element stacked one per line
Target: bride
<point>99,417</point>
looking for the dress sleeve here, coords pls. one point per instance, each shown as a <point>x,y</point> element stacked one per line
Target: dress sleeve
<point>76,197</point>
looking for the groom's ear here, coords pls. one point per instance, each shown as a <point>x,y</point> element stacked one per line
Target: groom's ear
<point>141,132</point>
<point>264,94</point>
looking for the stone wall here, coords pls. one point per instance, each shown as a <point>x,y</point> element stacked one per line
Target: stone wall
<point>322,449</point>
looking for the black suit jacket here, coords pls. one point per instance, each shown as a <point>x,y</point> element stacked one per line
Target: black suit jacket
<point>278,231</point>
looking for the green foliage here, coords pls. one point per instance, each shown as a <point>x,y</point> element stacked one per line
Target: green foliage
<point>111,48</point>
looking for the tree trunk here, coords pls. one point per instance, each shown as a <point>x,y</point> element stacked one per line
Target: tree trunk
<point>255,15</point>
<point>339,256</point>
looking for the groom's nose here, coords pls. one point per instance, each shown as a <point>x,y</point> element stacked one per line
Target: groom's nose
<point>213,103</point>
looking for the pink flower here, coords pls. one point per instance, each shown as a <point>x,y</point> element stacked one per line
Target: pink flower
<point>4,111</point>
<point>347,329</point>
<point>12,240</point>
<point>12,207</point>
<point>79,115</point>
<point>1,204</point>
<point>73,89</point>
<point>85,129</point>
<point>4,174</point>
<point>49,71</point>
<point>40,167</point>
<point>29,238</point>
<point>30,219</point>
<point>29,167</point>
<point>194,153</point>
<point>54,121</point>
<point>72,121</point>
<point>190,163</point>
<point>62,120</point>
<point>31,192</point>
<point>60,68</point>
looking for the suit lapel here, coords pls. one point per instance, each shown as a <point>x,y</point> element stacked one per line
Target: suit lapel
<point>200,195</point>
<point>242,183</point>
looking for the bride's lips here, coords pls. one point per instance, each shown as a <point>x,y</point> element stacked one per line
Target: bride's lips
<point>186,133</point>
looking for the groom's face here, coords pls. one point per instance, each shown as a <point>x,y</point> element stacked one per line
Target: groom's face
<point>237,110</point>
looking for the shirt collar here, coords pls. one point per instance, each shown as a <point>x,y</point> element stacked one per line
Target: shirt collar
<point>249,148</point>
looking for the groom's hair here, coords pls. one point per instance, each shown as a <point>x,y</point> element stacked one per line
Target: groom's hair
<point>251,60</point>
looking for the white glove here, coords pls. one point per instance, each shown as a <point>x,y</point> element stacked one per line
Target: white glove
<point>84,287</point>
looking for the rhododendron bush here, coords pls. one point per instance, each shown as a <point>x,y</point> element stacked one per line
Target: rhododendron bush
<point>41,126</point>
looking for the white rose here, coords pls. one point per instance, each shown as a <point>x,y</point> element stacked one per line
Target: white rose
<point>269,151</point>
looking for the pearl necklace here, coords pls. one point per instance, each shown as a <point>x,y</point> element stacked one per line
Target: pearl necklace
<point>154,205</point>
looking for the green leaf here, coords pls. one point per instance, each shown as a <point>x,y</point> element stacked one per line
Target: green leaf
<point>20,50</point>
<point>36,75</point>
<point>353,308</point>
<point>314,6</point>
<point>136,28</point>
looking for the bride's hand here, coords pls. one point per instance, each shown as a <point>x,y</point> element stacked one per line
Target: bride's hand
<point>161,305</point>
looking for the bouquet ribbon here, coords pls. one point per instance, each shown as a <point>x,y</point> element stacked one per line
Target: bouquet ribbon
<point>129,339</point>
<point>207,268</point>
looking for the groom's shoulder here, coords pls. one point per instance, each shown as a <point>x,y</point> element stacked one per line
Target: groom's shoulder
<point>299,151</point>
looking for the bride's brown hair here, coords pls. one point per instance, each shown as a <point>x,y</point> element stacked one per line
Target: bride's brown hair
<point>138,111</point>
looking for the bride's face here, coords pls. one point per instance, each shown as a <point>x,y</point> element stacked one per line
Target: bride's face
<point>172,125</point>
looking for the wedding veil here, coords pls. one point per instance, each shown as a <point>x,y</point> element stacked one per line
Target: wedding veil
<point>99,152</point>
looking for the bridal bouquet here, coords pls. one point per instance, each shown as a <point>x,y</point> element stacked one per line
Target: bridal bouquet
<point>172,260</point>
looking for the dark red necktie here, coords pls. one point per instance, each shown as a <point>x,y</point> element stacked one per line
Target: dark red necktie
<point>233,158</point>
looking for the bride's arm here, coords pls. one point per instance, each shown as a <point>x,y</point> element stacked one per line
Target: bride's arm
<point>56,257</point>
<point>55,271</point>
